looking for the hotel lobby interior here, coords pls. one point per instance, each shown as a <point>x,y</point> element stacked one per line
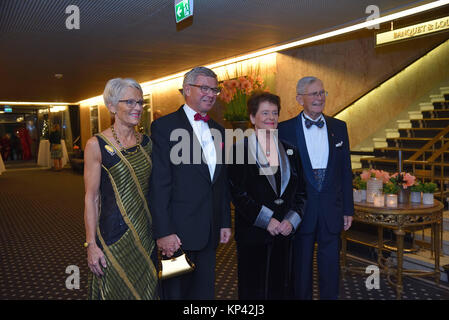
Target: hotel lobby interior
<point>384,66</point>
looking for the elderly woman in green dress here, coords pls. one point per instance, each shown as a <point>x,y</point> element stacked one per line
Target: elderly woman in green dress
<point>117,166</point>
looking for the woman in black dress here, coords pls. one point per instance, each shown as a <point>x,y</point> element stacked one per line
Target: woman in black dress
<point>268,192</point>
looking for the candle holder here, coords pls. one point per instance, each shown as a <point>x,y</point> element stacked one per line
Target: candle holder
<point>373,186</point>
<point>379,200</point>
<point>392,200</point>
<point>357,196</point>
<point>415,197</point>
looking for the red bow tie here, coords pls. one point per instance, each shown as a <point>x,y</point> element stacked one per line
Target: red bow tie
<point>199,117</point>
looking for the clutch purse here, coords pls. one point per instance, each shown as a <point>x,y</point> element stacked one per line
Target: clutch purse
<point>174,266</point>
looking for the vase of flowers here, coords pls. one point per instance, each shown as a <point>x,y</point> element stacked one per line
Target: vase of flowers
<point>429,189</point>
<point>374,182</point>
<point>235,94</point>
<point>403,180</point>
<point>415,192</point>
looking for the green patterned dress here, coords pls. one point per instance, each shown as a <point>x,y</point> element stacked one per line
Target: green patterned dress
<point>124,228</point>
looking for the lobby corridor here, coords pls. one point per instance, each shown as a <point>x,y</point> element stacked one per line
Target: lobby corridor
<point>42,232</point>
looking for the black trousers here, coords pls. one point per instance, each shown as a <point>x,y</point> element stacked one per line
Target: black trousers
<point>197,285</point>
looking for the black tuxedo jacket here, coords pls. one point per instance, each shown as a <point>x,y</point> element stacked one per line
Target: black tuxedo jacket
<point>183,199</point>
<point>335,199</point>
<point>250,190</point>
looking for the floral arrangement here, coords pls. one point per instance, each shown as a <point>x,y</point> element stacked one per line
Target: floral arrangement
<point>378,174</point>
<point>403,179</point>
<point>358,183</point>
<point>400,180</point>
<point>429,187</point>
<point>390,188</point>
<point>235,94</point>
<point>417,187</point>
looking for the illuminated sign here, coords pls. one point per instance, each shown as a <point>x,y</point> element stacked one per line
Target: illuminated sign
<point>413,31</point>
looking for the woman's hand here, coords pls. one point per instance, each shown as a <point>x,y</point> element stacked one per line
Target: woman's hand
<point>273,226</point>
<point>285,228</point>
<point>95,257</point>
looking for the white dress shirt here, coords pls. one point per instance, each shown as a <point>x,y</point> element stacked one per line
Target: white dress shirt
<point>204,136</point>
<point>317,143</point>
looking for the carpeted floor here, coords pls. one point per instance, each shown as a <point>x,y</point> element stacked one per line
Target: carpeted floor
<point>42,232</point>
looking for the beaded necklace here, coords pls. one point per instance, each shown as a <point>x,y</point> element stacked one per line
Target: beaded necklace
<point>122,147</point>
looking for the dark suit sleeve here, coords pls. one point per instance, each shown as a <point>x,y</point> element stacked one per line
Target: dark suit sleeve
<point>300,197</point>
<point>238,181</point>
<point>160,182</point>
<point>226,210</point>
<point>348,202</point>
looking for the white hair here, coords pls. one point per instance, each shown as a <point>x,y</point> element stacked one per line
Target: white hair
<point>304,82</point>
<point>114,88</point>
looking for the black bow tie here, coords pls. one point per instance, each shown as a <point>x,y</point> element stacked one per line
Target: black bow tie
<point>318,123</point>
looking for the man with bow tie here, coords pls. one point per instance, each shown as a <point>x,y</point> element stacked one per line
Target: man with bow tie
<point>189,200</point>
<point>323,145</point>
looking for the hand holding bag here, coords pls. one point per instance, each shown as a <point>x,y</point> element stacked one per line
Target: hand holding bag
<point>174,266</point>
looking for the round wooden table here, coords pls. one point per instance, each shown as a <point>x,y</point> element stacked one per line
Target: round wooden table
<point>404,217</point>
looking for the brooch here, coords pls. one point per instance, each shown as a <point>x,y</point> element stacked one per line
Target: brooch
<point>289,152</point>
<point>109,149</point>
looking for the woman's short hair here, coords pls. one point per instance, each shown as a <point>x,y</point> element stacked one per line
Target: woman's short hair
<point>303,83</point>
<point>190,77</point>
<point>257,98</point>
<point>114,89</point>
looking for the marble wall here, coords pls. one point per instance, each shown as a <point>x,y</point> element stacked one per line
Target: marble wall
<point>350,66</point>
<point>388,100</point>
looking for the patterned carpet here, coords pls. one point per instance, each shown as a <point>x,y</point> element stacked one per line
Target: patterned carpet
<point>42,231</point>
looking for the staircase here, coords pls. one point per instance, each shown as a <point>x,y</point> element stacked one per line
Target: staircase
<point>410,136</point>
<point>421,127</point>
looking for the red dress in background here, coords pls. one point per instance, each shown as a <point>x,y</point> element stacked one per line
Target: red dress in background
<point>25,140</point>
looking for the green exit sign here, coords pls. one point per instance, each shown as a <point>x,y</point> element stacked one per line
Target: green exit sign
<point>183,9</point>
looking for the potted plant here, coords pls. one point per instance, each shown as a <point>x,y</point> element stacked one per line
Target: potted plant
<point>235,94</point>
<point>415,192</point>
<point>428,190</point>
<point>403,180</point>
<point>360,189</point>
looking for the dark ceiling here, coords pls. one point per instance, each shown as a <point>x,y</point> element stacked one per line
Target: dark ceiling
<point>140,39</point>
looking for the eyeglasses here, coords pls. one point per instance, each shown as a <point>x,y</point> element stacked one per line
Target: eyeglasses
<point>132,103</point>
<point>315,94</point>
<point>206,89</point>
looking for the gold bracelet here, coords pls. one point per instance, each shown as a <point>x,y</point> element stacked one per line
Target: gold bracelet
<point>87,244</point>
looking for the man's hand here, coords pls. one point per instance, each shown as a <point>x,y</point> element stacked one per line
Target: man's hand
<point>225,235</point>
<point>347,222</point>
<point>169,244</point>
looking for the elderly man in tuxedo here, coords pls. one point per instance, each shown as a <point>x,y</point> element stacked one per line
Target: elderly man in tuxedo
<point>323,145</point>
<point>189,191</point>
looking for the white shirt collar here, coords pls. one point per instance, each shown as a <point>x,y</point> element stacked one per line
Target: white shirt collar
<point>189,112</point>
<point>320,117</point>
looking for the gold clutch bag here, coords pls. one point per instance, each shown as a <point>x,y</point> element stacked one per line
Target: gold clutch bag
<point>174,266</point>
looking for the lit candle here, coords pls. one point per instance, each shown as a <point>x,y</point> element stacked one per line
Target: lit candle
<point>379,200</point>
<point>392,200</point>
